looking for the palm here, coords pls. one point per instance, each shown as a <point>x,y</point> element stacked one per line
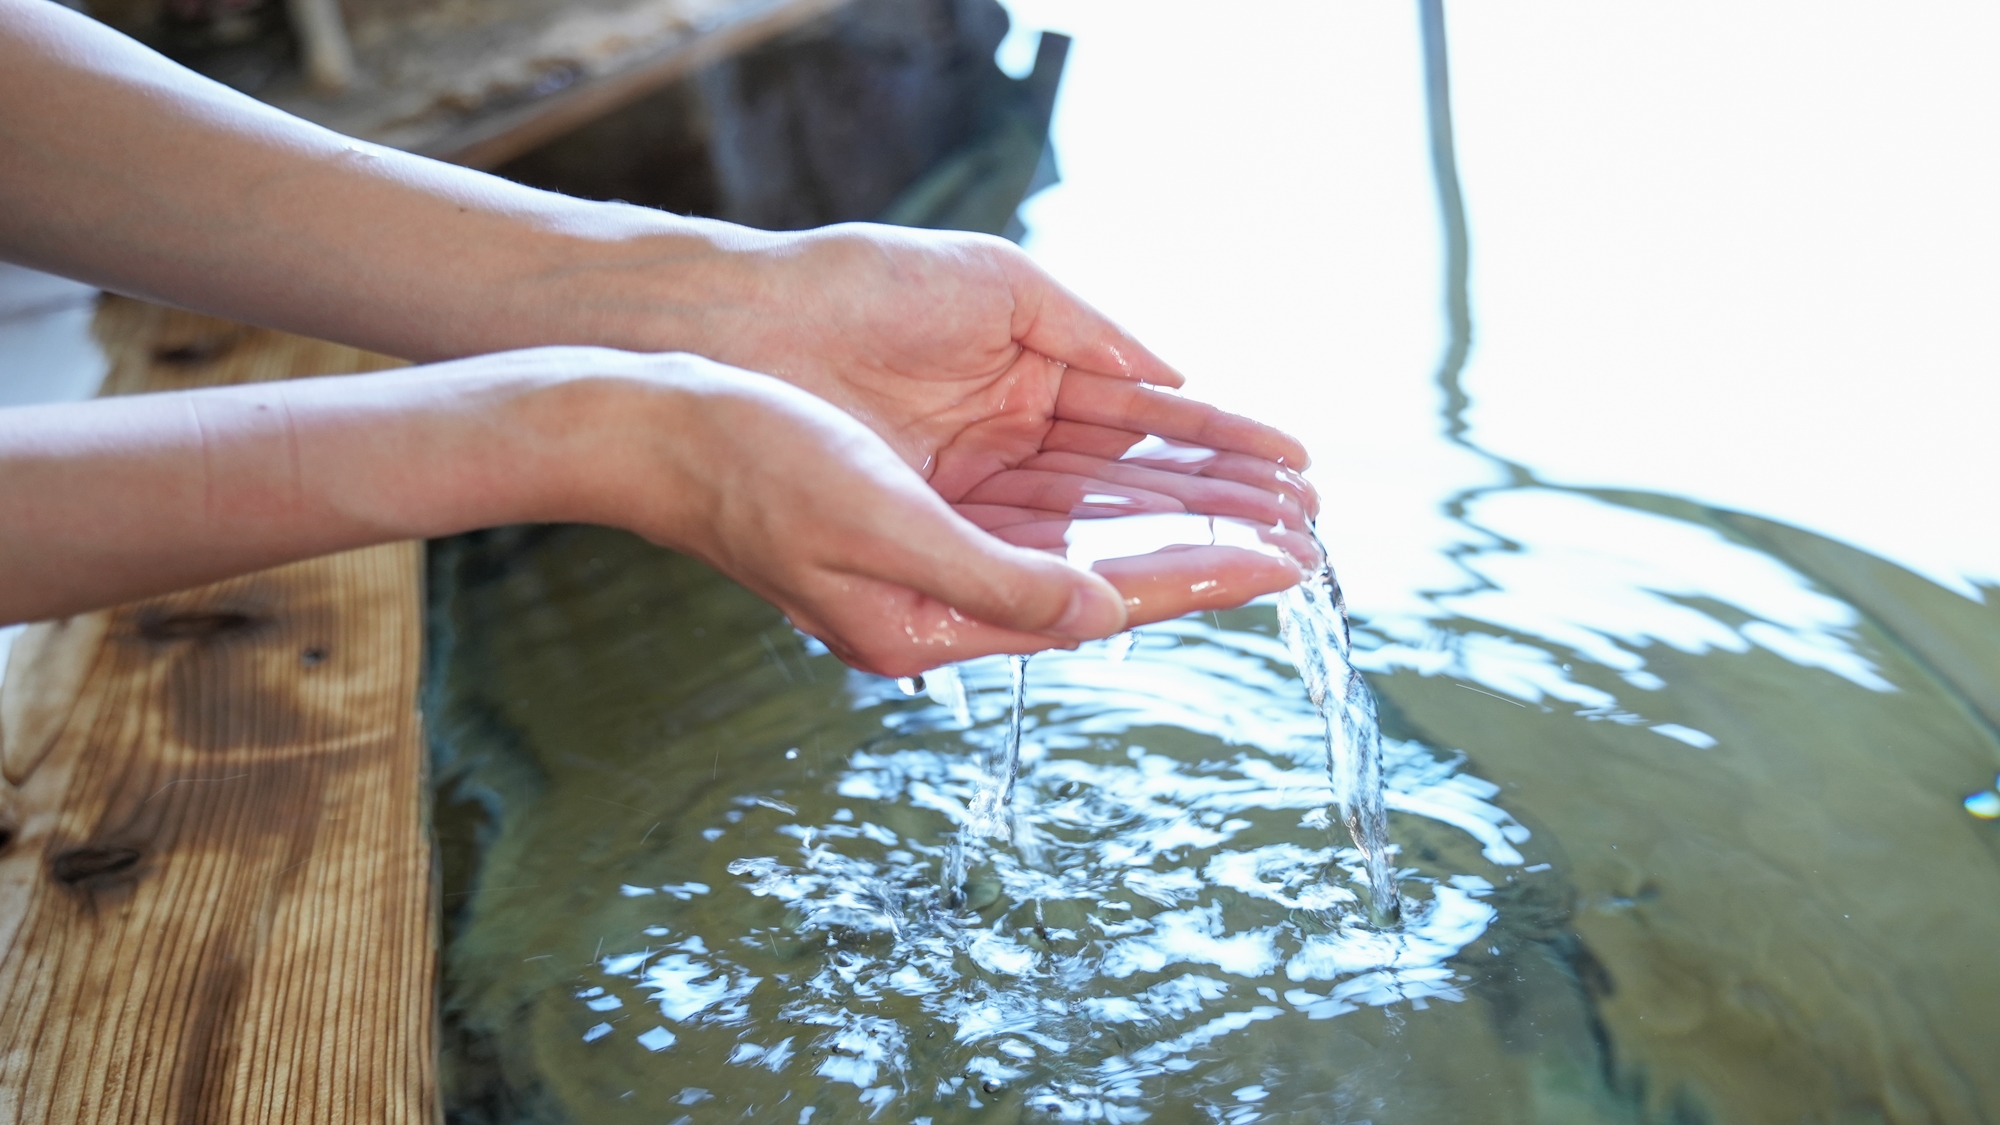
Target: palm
<point>1027,411</point>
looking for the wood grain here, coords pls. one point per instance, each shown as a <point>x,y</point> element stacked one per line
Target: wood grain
<point>216,897</point>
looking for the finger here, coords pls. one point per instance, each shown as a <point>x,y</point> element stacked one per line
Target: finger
<point>1152,452</point>
<point>1088,542</point>
<point>1155,587</point>
<point>1181,580</point>
<point>929,548</point>
<point>1165,584</point>
<point>1243,469</point>
<point>1037,535</point>
<point>995,518</point>
<point>1203,494</point>
<point>1050,319</point>
<point>1091,541</point>
<point>1023,527</point>
<point>927,633</point>
<point>1093,440</point>
<point>1073,494</point>
<point>1123,405</point>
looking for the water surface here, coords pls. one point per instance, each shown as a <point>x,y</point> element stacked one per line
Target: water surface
<point>1706,862</point>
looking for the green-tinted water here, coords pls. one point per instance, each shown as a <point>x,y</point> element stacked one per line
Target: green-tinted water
<point>693,866</point>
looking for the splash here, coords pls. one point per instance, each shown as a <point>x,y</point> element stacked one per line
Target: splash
<point>1152,919</point>
<point>1312,619</point>
<point>1313,622</point>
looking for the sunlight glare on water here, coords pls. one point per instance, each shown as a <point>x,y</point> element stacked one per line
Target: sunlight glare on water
<point>1167,882</point>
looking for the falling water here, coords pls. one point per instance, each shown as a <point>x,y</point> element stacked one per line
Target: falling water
<point>991,811</point>
<point>991,814</point>
<point>1312,618</point>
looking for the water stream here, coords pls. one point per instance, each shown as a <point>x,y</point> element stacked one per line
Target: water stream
<point>1312,618</point>
<point>991,814</point>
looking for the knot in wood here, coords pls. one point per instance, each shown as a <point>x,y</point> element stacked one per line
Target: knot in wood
<point>197,352</point>
<point>78,866</point>
<point>197,626</point>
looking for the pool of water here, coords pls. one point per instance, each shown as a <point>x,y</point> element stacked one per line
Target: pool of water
<point>1690,774</point>
<point>1716,876</point>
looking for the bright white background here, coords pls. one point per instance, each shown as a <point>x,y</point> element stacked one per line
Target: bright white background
<point>1739,253</point>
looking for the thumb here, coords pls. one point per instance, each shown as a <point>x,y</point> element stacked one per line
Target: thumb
<point>1050,319</point>
<point>949,558</point>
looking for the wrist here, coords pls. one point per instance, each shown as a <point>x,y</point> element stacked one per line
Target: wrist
<point>594,435</point>
<point>616,276</point>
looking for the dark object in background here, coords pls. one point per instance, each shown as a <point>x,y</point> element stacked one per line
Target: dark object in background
<point>982,186</point>
<point>889,109</point>
<point>239,43</point>
<point>243,44</point>
<point>881,109</point>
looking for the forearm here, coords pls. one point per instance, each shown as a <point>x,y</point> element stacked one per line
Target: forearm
<point>105,501</point>
<point>128,171</point>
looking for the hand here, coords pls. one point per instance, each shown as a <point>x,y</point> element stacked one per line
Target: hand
<point>817,514</point>
<point>953,347</point>
<point>1177,528</point>
<point>1012,397</point>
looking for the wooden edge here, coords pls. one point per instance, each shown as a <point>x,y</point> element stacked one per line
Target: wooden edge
<point>60,652</point>
<point>217,894</point>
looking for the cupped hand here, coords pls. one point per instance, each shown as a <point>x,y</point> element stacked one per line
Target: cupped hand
<point>1014,399</point>
<point>818,514</point>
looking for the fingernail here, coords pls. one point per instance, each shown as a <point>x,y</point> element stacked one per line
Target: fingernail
<point>1093,612</point>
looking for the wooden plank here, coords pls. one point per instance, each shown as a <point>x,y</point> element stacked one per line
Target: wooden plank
<point>479,84</point>
<point>216,899</point>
